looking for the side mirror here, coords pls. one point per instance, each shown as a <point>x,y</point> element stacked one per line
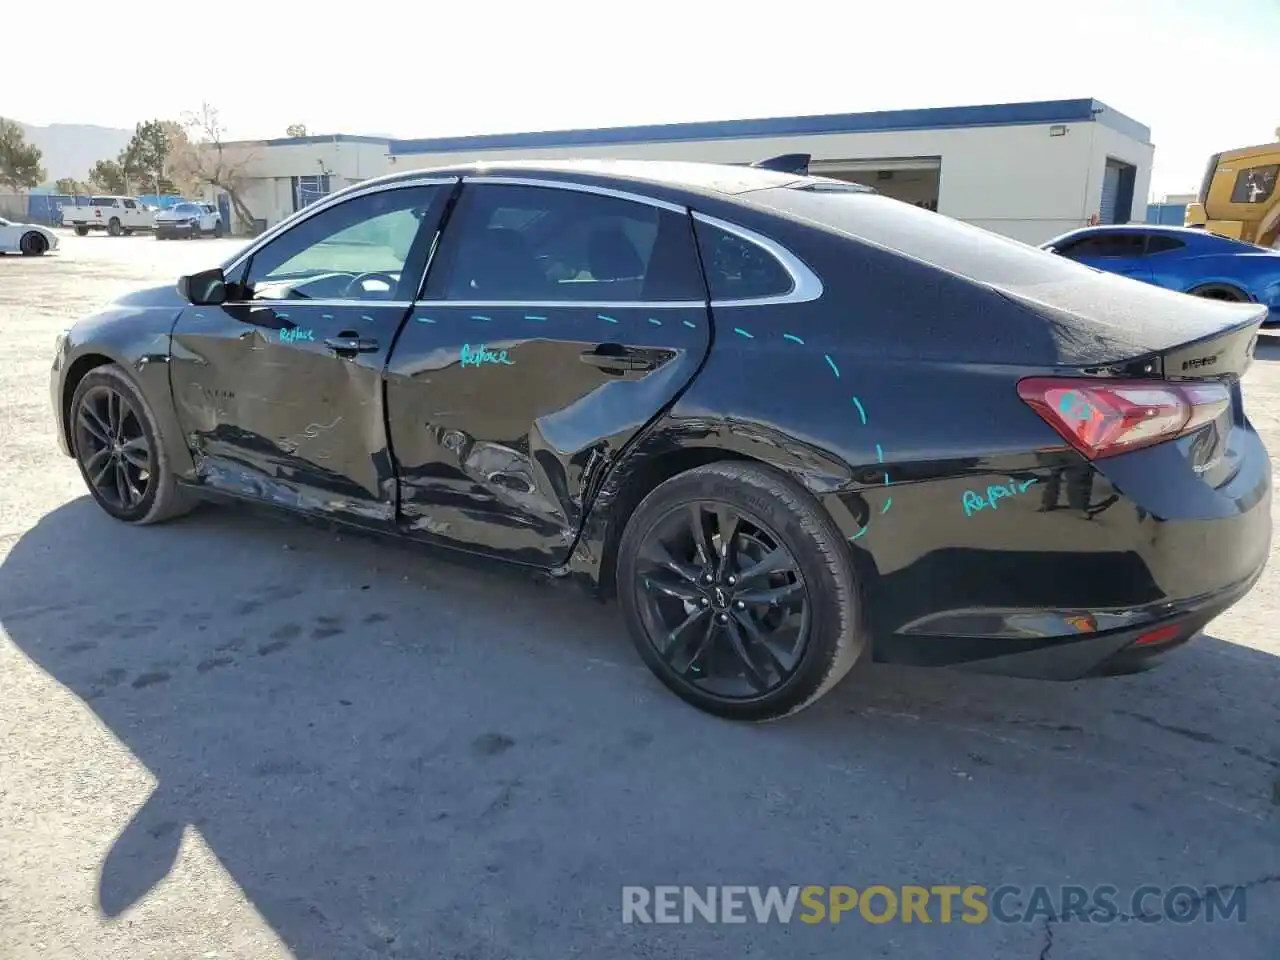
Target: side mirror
<point>208,288</point>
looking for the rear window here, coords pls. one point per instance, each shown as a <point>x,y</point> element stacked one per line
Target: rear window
<point>187,208</point>
<point>950,244</point>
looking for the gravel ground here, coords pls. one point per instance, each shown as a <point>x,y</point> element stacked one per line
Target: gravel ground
<point>232,737</point>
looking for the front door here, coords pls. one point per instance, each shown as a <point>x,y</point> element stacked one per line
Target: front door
<point>279,391</point>
<point>557,322</point>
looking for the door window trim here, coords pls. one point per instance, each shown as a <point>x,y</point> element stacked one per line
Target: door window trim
<point>805,284</point>
<point>319,207</point>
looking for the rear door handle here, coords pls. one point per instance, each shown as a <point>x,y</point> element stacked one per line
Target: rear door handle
<point>349,346</point>
<point>616,357</point>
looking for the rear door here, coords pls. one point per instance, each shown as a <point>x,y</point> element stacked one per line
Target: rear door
<point>279,391</point>
<point>556,322</point>
<point>1115,251</point>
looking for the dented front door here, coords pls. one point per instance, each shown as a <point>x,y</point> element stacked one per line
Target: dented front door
<point>280,393</point>
<point>272,410</point>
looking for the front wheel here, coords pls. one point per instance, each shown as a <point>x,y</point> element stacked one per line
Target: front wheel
<point>738,591</point>
<point>217,230</point>
<point>33,244</point>
<point>119,449</point>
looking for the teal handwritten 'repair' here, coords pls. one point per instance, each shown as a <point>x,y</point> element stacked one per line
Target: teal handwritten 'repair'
<point>973,501</point>
<point>482,355</point>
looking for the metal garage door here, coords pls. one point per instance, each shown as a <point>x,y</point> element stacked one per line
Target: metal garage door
<point>1110,192</point>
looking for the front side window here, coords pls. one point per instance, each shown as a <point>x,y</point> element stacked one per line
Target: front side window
<point>738,269</point>
<point>356,250</point>
<point>545,244</point>
<point>1255,185</point>
<point>130,205</point>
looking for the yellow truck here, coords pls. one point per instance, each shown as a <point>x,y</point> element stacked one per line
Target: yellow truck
<point>1238,196</point>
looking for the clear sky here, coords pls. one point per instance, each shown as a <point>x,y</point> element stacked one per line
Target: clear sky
<point>1200,73</point>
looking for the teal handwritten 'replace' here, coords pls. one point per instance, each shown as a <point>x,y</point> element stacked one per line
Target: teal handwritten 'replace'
<point>480,355</point>
<point>973,502</point>
<point>295,335</point>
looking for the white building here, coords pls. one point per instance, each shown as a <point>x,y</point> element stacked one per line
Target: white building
<point>1027,170</point>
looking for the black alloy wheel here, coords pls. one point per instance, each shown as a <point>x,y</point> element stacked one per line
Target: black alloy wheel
<point>725,598</point>
<point>118,448</point>
<point>113,449</point>
<point>738,591</point>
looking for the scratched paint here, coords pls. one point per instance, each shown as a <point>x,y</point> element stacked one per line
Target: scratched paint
<point>974,502</point>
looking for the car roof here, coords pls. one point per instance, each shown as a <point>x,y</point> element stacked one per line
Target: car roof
<point>695,176</point>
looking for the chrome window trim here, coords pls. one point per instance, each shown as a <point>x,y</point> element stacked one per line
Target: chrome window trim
<point>805,284</point>
<point>402,304</point>
<point>342,196</point>
<point>479,178</point>
<point>566,304</point>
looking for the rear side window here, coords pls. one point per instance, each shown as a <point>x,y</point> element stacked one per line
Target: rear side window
<point>1255,185</point>
<point>738,269</point>
<point>1106,245</point>
<point>1157,243</point>
<point>103,201</point>
<point>542,244</point>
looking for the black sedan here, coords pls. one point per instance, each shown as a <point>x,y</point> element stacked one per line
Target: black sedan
<point>785,421</point>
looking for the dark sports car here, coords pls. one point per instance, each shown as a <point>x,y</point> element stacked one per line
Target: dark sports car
<point>1178,258</point>
<point>787,422</point>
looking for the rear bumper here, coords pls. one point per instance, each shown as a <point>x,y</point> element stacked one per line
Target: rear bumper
<point>1117,652</point>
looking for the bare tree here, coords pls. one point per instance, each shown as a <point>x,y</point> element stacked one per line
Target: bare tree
<point>211,159</point>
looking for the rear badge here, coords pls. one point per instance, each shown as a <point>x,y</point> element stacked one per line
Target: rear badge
<point>1198,362</point>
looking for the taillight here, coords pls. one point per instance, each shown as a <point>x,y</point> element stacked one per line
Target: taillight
<point>1102,418</point>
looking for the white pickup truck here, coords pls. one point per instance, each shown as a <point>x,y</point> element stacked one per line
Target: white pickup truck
<point>118,216</point>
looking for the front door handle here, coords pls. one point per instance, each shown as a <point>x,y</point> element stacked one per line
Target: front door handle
<point>349,346</point>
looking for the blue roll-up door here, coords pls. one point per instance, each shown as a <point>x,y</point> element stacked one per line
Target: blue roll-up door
<point>1110,191</point>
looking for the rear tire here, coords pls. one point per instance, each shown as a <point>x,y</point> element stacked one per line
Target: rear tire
<point>120,451</point>
<point>114,227</point>
<point>716,626</point>
<point>1219,291</point>
<point>33,244</point>
<point>217,230</point>
<point>82,231</point>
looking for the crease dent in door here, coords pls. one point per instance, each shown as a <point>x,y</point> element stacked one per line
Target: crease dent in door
<point>290,468</point>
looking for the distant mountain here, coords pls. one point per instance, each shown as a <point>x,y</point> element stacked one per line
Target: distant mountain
<point>71,149</point>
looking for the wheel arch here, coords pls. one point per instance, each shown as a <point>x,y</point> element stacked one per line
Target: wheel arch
<point>1232,290</point>
<point>77,370</point>
<point>636,483</point>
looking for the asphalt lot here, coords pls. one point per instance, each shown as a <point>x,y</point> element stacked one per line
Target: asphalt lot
<point>229,737</point>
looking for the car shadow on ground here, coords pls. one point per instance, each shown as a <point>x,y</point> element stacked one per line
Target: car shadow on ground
<point>392,755</point>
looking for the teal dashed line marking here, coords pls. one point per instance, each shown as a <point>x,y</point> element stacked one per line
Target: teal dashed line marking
<point>887,504</point>
<point>530,316</point>
<point>861,413</point>
<point>741,332</point>
<point>886,479</point>
<point>425,320</point>
<point>365,317</point>
<point>858,534</point>
<point>326,316</point>
<point>832,364</point>
<point>879,454</point>
<point>793,338</point>
<point>478,317</point>
<point>283,316</point>
<point>690,324</point>
<point>656,323</point>
<point>606,319</point>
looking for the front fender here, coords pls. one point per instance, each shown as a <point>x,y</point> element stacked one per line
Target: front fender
<point>134,333</point>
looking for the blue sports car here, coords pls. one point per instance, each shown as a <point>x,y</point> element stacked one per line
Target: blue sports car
<point>1177,258</point>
